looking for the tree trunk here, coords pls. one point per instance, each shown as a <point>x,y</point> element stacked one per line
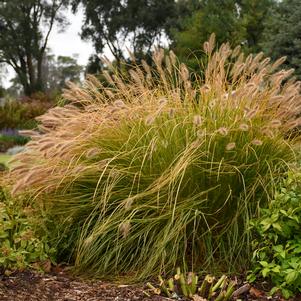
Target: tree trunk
<point>23,77</point>
<point>24,82</point>
<point>40,84</point>
<point>31,71</point>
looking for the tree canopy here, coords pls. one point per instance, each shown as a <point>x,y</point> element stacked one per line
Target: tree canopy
<point>218,16</point>
<point>282,34</point>
<point>240,22</point>
<point>59,70</point>
<point>253,15</point>
<point>117,24</point>
<point>25,27</point>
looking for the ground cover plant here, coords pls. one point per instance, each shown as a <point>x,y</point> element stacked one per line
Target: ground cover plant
<point>277,244</point>
<point>20,246</point>
<point>155,170</point>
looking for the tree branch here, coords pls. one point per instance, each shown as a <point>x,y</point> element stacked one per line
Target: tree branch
<point>52,19</point>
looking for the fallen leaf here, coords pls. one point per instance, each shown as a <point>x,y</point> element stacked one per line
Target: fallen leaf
<point>123,285</point>
<point>255,292</point>
<point>198,298</point>
<point>46,266</point>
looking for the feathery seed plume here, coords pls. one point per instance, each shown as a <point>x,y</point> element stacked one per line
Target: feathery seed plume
<point>223,131</point>
<point>125,228</point>
<point>197,120</point>
<point>149,120</point>
<point>275,123</point>
<point>92,152</point>
<point>244,127</point>
<point>256,142</point>
<point>230,146</point>
<point>119,103</point>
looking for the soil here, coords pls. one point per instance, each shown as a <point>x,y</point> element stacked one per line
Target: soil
<point>61,286</point>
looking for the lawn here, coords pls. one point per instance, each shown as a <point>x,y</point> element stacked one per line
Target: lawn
<point>4,158</point>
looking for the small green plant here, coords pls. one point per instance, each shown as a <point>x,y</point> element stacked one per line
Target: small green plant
<point>189,286</point>
<point>20,247</point>
<point>277,247</point>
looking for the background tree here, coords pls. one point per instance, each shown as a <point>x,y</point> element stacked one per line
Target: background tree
<point>115,24</point>
<point>59,70</point>
<point>218,16</point>
<point>56,71</point>
<point>282,35</point>
<point>234,21</point>
<point>2,89</point>
<point>94,65</point>
<point>25,27</point>
<point>253,15</point>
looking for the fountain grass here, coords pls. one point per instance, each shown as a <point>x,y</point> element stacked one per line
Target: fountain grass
<point>152,170</point>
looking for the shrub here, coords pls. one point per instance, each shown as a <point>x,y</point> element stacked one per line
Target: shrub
<point>154,170</point>
<point>20,246</point>
<point>277,246</point>
<point>10,138</point>
<point>20,114</point>
<point>2,167</point>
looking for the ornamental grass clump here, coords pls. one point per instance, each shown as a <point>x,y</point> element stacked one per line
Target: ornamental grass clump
<point>151,170</point>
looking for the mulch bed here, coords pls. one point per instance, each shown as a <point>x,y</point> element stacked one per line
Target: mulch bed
<point>61,286</point>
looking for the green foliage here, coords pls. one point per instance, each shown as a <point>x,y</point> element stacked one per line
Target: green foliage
<point>94,65</point>
<point>277,246</point>
<point>253,18</point>
<point>237,22</point>
<point>220,17</point>
<point>2,163</point>
<point>114,23</point>
<point>189,286</point>
<point>20,247</point>
<point>4,159</point>
<point>185,198</point>
<point>59,70</point>
<point>282,33</point>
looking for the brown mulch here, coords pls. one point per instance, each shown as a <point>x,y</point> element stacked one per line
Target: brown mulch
<point>30,286</point>
<point>61,286</point>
